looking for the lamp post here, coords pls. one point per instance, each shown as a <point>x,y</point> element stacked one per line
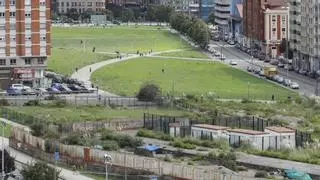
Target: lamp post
<point>107,162</point>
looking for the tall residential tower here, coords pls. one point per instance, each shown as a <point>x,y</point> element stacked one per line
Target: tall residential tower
<point>24,41</point>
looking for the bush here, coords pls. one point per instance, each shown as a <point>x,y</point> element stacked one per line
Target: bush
<point>180,144</point>
<point>51,97</point>
<point>4,102</point>
<point>148,92</point>
<point>32,103</point>
<point>39,171</point>
<point>110,145</point>
<point>72,139</point>
<point>37,129</point>
<point>261,174</point>
<point>155,135</point>
<point>122,140</point>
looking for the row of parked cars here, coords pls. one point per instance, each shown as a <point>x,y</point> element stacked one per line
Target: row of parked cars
<point>60,85</point>
<point>56,88</point>
<point>276,78</point>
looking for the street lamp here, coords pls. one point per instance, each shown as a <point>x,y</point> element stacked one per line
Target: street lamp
<point>107,162</point>
<point>3,172</point>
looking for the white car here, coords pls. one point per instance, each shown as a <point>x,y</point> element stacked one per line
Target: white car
<point>20,86</point>
<point>233,63</point>
<point>294,85</point>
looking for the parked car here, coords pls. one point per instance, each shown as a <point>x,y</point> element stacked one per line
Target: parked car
<point>233,63</point>
<point>217,53</point>
<point>303,72</point>
<point>65,89</point>
<point>266,59</point>
<point>28,91</point>
<point>294,85</point>
<point>216,38</point>
<point>249,69</point>
<point>231,42</point>
<point>261,73</point>
<point>13,91</point>
<point>40,91</point>
<point>53,90</point>
<point>275,78</point>
<point>287,82</point>
<point>281,65</point>
<point>280,80</point>
<point>274,62</point>
<point>20,86</point>
<point>288,67</point>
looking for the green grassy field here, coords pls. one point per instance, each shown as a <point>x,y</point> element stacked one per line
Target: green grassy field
<point>189,53</point>
<point>89,113</point>
<point>68,52</point>
<point>187,77</point>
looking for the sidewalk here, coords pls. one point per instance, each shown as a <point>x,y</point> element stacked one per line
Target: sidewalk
<point>84,73</point>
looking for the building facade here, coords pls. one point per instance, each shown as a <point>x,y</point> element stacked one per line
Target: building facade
<point>25,41</point>
<point>285,136</point>
<point>295,32</point>
<point>64,6</point>
<point>253,20</point>
<point>310,34</point>
<point>276,28</point>
<point>235,21</point>
<point>206,131</point>
<point>206,7</point>
<point>222,15</point>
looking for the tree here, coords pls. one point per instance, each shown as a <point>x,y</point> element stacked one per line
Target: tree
<point>162,13</point>
<point>127,15</point>
<point>37,129</point>
<point>73,14</point>
<point>109,15</point>
<point>211,18</point>
<point>9,165</point>
<point>151,13</point>
<point>148,92</point>
<point>39,171</point>
<point>283,46</point>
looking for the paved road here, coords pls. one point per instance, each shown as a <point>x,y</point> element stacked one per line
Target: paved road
<point>307,85</point>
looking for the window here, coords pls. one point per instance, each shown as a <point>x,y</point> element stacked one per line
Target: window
<point>89,4</point>
<point>27,14</point>
<point>12,2</point>
<point>12,14</point>
<point>40,61</point>
<point>2,3</point>
<point>28,37</point>
<point>27,26</point>
<point>27,61</point>
<point>43,38</point>
<point>2,62</point>
<point>273,18</point>
<point>2,14</point>
<point>62,4</point>
<point>43,26</point>
<point>42,3</point>
<point>13,61</point>
<point>67,4</point>
<point>283,29</point>
<point>274,29</point>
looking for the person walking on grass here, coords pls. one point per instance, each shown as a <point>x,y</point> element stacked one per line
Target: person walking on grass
<point>90,69</point>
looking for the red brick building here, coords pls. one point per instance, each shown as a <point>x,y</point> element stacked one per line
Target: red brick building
<point>24,41</point>
<point>253,19</point>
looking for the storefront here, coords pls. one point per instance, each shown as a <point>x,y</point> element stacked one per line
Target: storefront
<point>24,76</point>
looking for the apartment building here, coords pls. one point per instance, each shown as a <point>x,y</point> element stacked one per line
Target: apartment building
<point>295,32</point>
<point>206,7</point>
<point>222,15</point>
<point>253,20</point>
<point>276,28</point>
<point>310,34</point>
<point>24,41</point>
<point>63,6</point>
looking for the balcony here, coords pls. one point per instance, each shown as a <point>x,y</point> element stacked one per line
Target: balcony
<point>222,2</point>
<point>222,8</point>
<point>222,15</point>
<point>221,21</point>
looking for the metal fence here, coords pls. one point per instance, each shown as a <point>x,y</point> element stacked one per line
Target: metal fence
<point>71,155</point>
<point>86,100</point>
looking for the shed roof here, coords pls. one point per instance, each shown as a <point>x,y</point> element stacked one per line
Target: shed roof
<point>246,131</point>
<point>280,129</point>
<point>209,126</point>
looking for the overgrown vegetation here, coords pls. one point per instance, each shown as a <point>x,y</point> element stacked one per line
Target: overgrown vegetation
<point>40,171</point>
<point>226,159</point>
<point>155,135</point>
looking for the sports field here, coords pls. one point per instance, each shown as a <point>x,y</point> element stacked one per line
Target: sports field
<point>69,53</point>
<point>188,77</point>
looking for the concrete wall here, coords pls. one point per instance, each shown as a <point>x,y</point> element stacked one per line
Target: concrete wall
<point>286,140</point>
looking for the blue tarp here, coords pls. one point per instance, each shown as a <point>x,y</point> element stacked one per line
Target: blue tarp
<point>151,147</point>
<point>296,175</point>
